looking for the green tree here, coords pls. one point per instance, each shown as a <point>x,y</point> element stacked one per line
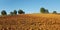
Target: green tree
<point>54,12</point>
<point>11,13</point>
<point>15,12</point>
<point>21,12</point>
<point>3,12</point>
<point>46,11</point>
<point>42,10</point>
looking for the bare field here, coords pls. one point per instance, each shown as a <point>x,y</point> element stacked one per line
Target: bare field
<point>30,22</point>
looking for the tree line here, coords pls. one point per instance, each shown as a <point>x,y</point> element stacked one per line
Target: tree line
<point>3,12</point>
<point>42,10</point>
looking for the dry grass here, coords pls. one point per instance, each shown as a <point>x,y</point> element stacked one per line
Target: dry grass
<point>30,22</point>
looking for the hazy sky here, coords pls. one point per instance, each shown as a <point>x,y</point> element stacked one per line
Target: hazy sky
<point>29,6</point>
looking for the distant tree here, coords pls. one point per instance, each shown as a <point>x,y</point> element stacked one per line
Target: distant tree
<point>3,12</point>
<point>11,13</point>
<point>21,12</point>
<point>15,12</point>
<point>46,11</point>
<point>42,10</point>
<point>54,12</point>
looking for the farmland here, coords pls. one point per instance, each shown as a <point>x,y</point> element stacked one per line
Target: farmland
<point>30,22</point>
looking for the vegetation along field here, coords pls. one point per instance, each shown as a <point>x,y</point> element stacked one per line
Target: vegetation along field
<point>30,22</point>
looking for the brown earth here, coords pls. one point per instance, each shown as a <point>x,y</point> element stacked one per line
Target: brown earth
<point>30,22</point>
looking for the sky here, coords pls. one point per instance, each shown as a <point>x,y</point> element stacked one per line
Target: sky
<point>30,6</point>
